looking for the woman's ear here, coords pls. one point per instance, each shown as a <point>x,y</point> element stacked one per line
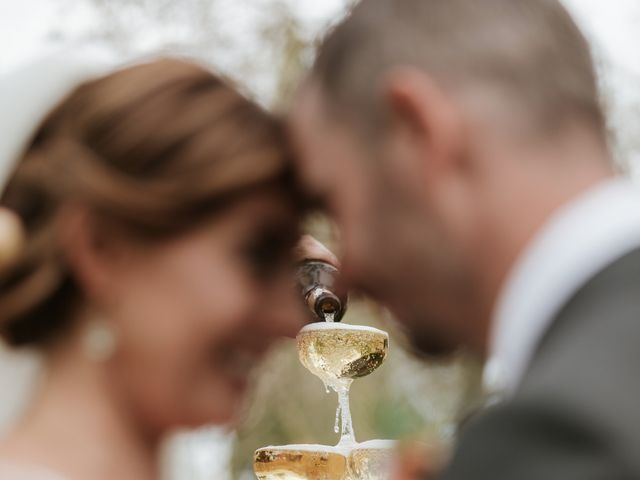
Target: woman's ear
<point>93,258</point>
<point>425,115</point>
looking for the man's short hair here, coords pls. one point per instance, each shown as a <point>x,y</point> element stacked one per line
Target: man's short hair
<point>527,51</point>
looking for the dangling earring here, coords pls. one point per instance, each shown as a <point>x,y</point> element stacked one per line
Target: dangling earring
<point>99,342</point>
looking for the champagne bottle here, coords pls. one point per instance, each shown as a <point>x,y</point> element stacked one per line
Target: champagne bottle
<point>318,282</point>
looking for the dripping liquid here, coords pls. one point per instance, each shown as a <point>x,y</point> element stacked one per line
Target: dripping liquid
<point>343,423</point>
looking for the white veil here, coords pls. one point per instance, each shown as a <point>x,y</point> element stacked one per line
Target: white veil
<point>27,95</point>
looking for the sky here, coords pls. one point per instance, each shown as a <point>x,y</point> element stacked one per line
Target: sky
<point>25,24</point>
<point>613,24</point>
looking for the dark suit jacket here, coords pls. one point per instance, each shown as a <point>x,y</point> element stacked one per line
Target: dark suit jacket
<point>576,414</point>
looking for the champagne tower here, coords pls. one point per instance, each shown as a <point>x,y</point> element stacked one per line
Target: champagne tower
<point>337,353</point>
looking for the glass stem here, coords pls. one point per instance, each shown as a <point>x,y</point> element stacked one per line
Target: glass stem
<point>347,436</point>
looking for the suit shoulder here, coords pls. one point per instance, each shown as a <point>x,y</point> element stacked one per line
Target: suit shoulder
<point>587,365</point>
<point>532,440</point>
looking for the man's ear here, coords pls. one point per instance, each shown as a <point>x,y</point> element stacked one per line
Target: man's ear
<point>91,257</point>
<point>425,115</point>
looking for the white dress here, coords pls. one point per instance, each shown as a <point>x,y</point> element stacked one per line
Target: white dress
<point>11,471</point>
<point>18,375</point>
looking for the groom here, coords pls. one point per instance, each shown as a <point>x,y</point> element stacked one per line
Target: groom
<point>462,149</point>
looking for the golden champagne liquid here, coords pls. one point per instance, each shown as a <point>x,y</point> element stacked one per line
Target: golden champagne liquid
<point>372,460</point>
<point>300,462</point>
<point>335,352</point>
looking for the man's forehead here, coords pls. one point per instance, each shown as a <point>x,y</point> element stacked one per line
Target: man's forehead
<point>321,132</point>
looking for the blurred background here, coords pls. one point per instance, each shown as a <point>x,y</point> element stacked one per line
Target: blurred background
<point>265,46</point>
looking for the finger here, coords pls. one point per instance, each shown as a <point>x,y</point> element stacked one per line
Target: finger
<point>418,462</point>
<point>309,248</point>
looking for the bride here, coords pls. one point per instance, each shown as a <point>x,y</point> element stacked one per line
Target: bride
<point>147,221</point>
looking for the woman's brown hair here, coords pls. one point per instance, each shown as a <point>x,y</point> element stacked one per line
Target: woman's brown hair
<point>152,150</point>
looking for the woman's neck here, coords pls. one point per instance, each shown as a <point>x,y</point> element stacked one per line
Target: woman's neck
<point>78,427</point>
